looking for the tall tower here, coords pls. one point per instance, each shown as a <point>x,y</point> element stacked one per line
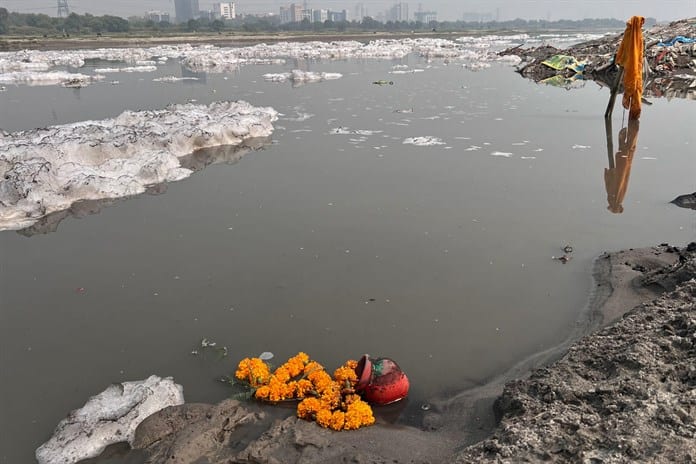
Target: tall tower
<point>63,10</point>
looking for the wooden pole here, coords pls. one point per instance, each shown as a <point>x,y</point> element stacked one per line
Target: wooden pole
<point>610,141</point>
<point>614,91</point>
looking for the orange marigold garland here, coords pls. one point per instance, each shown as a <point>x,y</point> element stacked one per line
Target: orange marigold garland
<point>331,402</point>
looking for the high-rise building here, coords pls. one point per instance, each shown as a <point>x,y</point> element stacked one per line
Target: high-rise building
<point>157,16</point>
<point>338,16</point>
<point>398,12</point>
<point>186,10</point>
<point>225,10</point>
<point>320,15</point>
<point>295,13</point>
<point>360,11</point>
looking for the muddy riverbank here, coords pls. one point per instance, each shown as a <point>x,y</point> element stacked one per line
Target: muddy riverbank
<point>619,394</point>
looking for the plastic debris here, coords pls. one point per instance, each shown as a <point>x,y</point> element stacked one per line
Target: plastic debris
<point>383,82</point>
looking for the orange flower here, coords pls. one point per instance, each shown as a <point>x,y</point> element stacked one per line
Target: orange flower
<point>345,374</point>
<point>296,364</point>
<point>338,419</point>
<point>324,417</point>
<point>308,408</point>
<point>359,413</point>
<point>331,402</point>
<point>253,370</point>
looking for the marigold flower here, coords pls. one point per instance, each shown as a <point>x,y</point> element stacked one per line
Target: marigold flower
<point>308,407</point>
<point>296,364</point>
<point>262,392</point>
<point>338,419</point>
<point>331,402</point>
<point>282,374</point>
<point>359,413</point>
<point>253,370</point>
<point>346,374</point>
<point>324,417</point>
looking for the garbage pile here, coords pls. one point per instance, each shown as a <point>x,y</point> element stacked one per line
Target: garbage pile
<point>670,61</point>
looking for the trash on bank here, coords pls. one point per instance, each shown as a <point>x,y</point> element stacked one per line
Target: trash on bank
<point>564,62</point>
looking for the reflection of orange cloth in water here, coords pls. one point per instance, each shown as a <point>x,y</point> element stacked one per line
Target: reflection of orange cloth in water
<point>630,58</point>
<point>616,178</point>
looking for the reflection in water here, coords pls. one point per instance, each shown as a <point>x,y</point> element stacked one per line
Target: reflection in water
<point>196,161</point>
<point>616,177</point>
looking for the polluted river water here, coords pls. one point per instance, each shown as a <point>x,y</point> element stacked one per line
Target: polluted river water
<point>418,219</point>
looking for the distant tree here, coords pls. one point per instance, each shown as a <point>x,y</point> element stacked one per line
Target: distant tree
<point>370,24</point>
<point>115,24</point>
<point>217,25</point>
<point>193,25</point>
<point>73,23</point>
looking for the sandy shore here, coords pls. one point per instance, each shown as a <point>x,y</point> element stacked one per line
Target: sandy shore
<point>620,389</point>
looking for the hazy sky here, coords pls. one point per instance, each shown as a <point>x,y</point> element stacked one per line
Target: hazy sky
<point>446,9</point>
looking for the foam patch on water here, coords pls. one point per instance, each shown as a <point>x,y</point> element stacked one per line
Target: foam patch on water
<point>48,78</point>
<point>502,154</point>
<point>173,79</point>
<point>475,52</point>
<point>346,131</point>
<point>298,76</point>
<point>424,141</point>
<point>47,170</point>
<point>128,69</point>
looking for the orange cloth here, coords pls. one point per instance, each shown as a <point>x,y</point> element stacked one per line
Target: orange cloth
<point>616,178</point>
<point>630,58</point>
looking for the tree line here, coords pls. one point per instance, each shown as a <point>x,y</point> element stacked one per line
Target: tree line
<point>33,24</point>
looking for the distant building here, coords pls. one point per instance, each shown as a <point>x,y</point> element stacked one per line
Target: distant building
<point>425,17</point>
<point>470,17</point>
<point>186,10</point>
<point>320,16</point>
<point>225,10</point>
<point>284,15</point>
<point>398,12</point>
<point>294,14</point>
<point>338,16</point>
<point>360,11</point>
<point>157,17</point>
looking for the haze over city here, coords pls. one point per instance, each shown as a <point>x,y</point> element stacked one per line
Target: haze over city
<point>447,10</point>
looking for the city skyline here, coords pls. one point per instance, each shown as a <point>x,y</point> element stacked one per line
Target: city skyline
<point>447,10</point>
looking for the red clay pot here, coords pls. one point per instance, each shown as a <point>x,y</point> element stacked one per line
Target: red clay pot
<point>381,380</point>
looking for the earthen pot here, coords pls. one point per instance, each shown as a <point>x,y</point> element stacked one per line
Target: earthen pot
<point>381,380</point>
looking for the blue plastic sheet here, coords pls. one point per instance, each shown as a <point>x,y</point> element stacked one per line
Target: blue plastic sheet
<point>679,38</point>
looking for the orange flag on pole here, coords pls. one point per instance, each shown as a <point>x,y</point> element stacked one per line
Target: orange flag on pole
<point>630,58</point>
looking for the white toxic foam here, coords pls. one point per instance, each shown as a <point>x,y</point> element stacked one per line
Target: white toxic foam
<point>210,58</point>
<point>423,141</point>
<point>299,76</point>
<point>33,78</point>
<point>46,170</point>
